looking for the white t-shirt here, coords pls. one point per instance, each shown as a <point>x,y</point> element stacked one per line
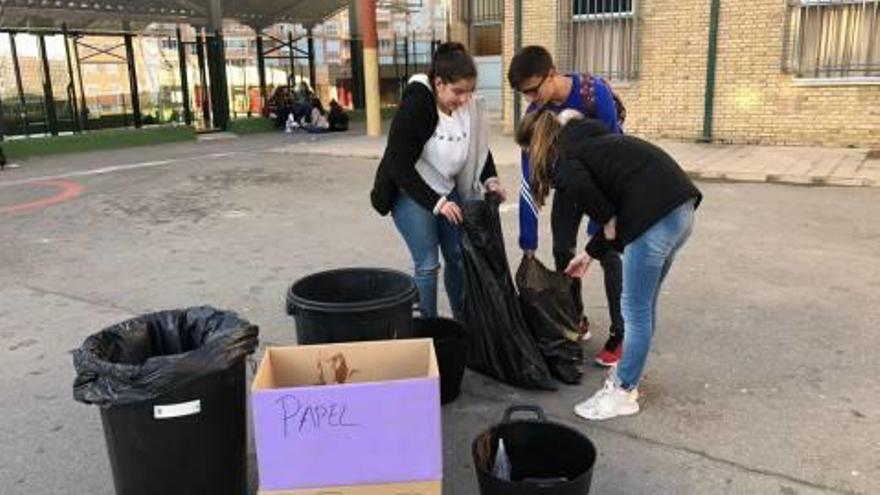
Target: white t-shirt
<point>446,152</point>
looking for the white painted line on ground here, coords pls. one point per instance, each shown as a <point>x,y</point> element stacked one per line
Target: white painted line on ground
<point>115,168</point>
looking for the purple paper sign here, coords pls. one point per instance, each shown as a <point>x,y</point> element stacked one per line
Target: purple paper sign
<point>353,434</point>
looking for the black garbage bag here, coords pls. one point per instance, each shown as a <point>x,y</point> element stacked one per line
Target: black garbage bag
<point>500,343</point>
<point>552,317</point>
<point>151,355</point>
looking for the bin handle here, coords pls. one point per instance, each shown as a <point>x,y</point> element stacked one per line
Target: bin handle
<point>536,410</point>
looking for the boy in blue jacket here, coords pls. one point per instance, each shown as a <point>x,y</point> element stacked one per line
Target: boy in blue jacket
<point>533,74</point>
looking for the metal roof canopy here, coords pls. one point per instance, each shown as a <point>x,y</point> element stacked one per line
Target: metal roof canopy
<point>127,15</point>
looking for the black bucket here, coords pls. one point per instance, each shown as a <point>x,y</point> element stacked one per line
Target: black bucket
<point>545,458</point>
<point>451,345</point>
<point>352,304</point>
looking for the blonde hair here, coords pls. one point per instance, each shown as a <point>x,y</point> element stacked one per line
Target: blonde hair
<point>539,132</point>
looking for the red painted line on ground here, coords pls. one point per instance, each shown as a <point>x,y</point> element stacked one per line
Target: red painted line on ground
<point>67,190</point>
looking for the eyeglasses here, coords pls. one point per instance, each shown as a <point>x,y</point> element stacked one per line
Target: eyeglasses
<point>533,91</point>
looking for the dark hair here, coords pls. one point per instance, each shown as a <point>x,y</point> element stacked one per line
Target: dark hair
<point>452,63</point>
<point>531,61</point>
<point>539,132</point>
<point>316,103</point>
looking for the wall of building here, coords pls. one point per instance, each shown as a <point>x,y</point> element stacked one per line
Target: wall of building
<point>755,100</point>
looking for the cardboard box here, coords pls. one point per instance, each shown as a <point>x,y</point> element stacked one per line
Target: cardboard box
<point>349,414</point>
<point>419,488</point>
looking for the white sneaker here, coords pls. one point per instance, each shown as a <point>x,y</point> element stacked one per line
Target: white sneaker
<point>609,402</point>
<point>584,329</point>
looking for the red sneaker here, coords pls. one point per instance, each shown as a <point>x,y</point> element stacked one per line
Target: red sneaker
<point>611,353</point>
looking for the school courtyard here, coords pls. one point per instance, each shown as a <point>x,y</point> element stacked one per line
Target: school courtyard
<point>762,380</point>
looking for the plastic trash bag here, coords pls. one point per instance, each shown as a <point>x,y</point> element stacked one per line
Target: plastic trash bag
<point>501,468</point>
<point>552,316</point>
<point>501,344</point>
<point>149,356</point>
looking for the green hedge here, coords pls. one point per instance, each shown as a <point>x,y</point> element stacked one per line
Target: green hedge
<point>18,149</point>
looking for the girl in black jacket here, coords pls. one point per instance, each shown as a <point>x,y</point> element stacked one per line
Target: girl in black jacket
<point>645,202</point>
<point>437,155</point>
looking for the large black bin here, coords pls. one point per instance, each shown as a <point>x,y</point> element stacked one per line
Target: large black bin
<point>545,458</point>
<point>171,387</point>
<point>352,304</point>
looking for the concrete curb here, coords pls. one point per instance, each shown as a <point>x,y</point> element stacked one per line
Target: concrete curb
<point>786,179</point>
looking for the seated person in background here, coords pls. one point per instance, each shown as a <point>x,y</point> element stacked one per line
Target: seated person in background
<point>337,119</point>
<point>304,92</point>
<point>318,118</point>
<point>282,104</point>
<point>302,112</point>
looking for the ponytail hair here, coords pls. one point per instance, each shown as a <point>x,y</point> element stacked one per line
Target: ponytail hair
<point>452,63</point>
<point>539,132</point>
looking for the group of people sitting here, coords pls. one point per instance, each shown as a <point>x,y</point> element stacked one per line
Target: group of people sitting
<point>301,109</point>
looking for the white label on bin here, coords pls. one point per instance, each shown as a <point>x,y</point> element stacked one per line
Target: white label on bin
<point>177,410</point>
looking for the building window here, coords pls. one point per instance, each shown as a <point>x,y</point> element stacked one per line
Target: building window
<point>486,11</point>
<point>486,17</point>
<point>604,38</point>
<point>486,40</point>
<point>833,38</point>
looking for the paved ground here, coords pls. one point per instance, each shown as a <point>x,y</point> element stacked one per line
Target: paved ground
<point>763,379</point>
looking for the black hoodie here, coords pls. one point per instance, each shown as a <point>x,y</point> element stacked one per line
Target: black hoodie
<point>412,127</point>
<point>615,175</point>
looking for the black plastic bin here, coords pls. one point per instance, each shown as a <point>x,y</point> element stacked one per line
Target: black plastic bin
<point>171,387</point>
<point>451,345</point>
<point>545,458</point>
<point>352,304</point>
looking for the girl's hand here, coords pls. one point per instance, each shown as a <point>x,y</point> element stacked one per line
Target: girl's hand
<point>495,187</point>
<point>578,266</point>
<point>452,212</point>
<point>611,229</point>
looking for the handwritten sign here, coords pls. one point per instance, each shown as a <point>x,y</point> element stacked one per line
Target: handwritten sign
<point>299,417</point>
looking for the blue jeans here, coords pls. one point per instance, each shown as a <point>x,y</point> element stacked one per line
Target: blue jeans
<point>424,233</point>
<point>646,262</point>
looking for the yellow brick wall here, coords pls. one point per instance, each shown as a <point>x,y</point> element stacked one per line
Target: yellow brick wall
<point>666,98</point>
<point>506,55</point>
<point>458,26</point>
<point>540,27</point>
<point>755,102</point>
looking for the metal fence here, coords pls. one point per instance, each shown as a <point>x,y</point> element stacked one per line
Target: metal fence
<point>833,38</point>
<point>604,38</point>
<point>57,82</point>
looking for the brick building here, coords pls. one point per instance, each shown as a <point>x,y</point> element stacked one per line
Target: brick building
<point>800,72</point>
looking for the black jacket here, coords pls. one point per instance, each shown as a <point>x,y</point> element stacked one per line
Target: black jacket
<point>618,175</point>
<point>412,127</point>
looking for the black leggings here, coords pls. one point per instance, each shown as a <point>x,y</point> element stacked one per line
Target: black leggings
<point>567,221</point>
